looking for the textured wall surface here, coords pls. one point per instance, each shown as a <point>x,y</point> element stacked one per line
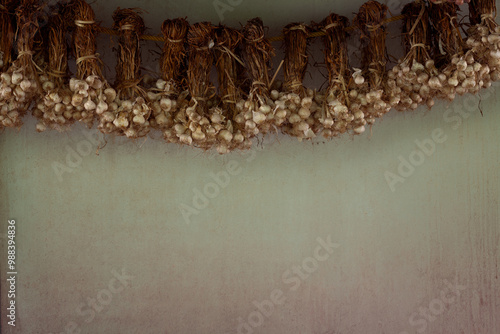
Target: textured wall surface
<point>144,237</point>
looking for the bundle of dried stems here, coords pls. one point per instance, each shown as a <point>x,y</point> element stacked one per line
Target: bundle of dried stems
<point>227,42</point>
<point>335,112</point>
<point>84,40</point>
<point>296,58</point>
<point>20,84</point>
<point>370,21</point>
<point>173,58</point>
<point>408,82</point>
<point>7,33</point>
<point>336,55</point>
<point>92,96</point>
<point>295,99</point>
<point>54,110</point>
<point>369,94</point>
<point>416,32</point>
<point>133,107</point>
<point>483,11</point>
<point>166,97</point>
<point>257,53</point>
<point>447,40</point>
<point>200,41</point>
<point>228,63</point>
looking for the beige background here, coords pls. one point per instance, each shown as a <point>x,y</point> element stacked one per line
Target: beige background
<point>121,210</point>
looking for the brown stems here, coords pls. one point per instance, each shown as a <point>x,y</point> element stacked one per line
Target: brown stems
<point>130,26</point>
<point>336,54</point>
<point>482,10</point>
<point>416,32</point>
<point>370,20</point>
<point>296,58</point>
<point>447,41</point>
<point>57,50</point>
<point>200,39</point>
<point>257,52</point>
<point>84,39</point>
<point>227,42</point>
<point>173,58</point>
<point>6,34</point>
<point>27,27</point>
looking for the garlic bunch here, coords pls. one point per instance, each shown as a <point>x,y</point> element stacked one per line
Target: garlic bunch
<point>410,85</point>
<point>196,122</point>
<point>254,116</point>
<point>295,115</point>
<point>377,105</point>
<point>207,131</point>
<point>463,75</point>
<point>106,108</point>
<point>484,44</point>
<point>230,134</point>
<point>215,129</point>
<point>164,106</point>
<point>54,109</point>
<point>17,91</point>
<point>335,117</point>
<point>91,97</point>
<point>367,103</point>
<point>230,139</point>
<point>189,126</point>
<point>131,118</point>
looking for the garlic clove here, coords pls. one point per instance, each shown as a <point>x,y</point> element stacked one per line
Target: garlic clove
<point>250,125</point>
<point>110,94</point>
<point>17,77</point>
<point>359,80</point>
<point>89,105</point>
<point>40,127</point>
<point>239,119</point>
<point>226,135</point>
<point>198,134</point>
<point>139,119</point>
<point>216,118</point>
<point>166,104</point>
<point>328,122</point>
<point>238,138</point>
<point>359,130</point>
<point>259,117</point>
<point>304,113</point>
<point>6,78</point>
<point>265,109</point>
<point>294,118</point>
<point>77,100</point>
<point>25,85</point>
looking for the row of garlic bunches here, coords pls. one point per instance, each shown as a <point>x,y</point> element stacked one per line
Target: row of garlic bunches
<point>305,113</point>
